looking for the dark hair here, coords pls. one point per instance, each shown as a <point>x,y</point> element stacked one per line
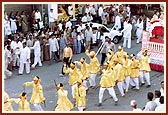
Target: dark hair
<point>162,82</point>
<point>24,43</point>
<point>38,77</point>
<point>61,85</point>
<point>150,96</point>
<point>161,100</point>
<point>24,93</point>
<point>157,93</point>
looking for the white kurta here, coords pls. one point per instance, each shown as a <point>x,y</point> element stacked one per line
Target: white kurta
<point>13,25</point>
<point>117,24</point>
<point>127,34</point>
<point>53,45</point>
<point>7,27</point>
<point>37,53</point>
<point>139,31</point>
<point>24,59</point>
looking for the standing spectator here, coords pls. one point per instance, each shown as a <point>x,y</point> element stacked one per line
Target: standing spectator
<point>139,30</point>
<point>63,42</point>
<point>8,60</point>
<point>37,97</point>
<point>70,11</point>
<point>100,11</point>
<point>7,28</point>
<point>88,37</point>
<point>74,38</point>
<point>117,24</point>
<point>37,52</point>
<point>51,19</point>
<point>79,42</point>
<point>133,20</point>
<point>150,105</point>
<point>87,9</point>
<point>68,24</point>
<point>24,22</point>
<point>93,12</point>
<point>145,68</point>
<point>133,104</point>
<point>161,106</point>
<point>24,59</point>
<point>127,34</point>
<point>89,17</point>
<point>84,19</point>
<point>54,48</point>
<point>104,17</point>
<point>157,95</point>
<point>162,88</point>
<point>38,18</point>
<point>13,23</point>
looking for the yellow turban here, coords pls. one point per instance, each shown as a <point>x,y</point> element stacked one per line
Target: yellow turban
<point>37,79</point>
<point>92,53</point>
<point>72,64</point>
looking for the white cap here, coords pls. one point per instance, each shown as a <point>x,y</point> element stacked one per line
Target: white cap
<point>133,103</point>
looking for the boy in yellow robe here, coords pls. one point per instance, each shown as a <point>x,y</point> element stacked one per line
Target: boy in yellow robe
<point>22,102</point>
<point>107,82</point>
<point>84,68</point>
<point>63,103</point>
<point>37,93</point>
<point>94,67</point>
<point>145,68</point>
<point>134,81</point>
<point>74,75</point>
<point>80,96</point>
<point>7,104</point>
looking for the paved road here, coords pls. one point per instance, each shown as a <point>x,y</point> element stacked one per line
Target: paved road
<point>49,73</point>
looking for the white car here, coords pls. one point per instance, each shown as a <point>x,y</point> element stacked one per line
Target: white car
<point>115,35</point>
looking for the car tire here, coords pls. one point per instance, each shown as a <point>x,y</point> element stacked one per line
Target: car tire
<point>116,39</point>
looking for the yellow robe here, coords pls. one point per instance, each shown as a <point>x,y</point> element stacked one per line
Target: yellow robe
<point>120,55</point>
<point>63,103</point>
<point>84,71</point>
<point>118,73</point>
<point>73,75</point>
<point>7,104</point>
<point>144,63</point>
<point>134,69</point>
<point>126,67</point>
<point>80,96</point>
<point>107,79</point>
<point>37,93</point>
<point>25,107</point>
<point>94,66</point>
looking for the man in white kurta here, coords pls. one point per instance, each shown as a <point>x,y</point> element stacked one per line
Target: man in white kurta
<point>37,53</point>
<point>139,30</point>
<point>117,24</point>
<point>51,19</point>
<point>54,48</point>
<point>127,34</point>
<point>24,59</point>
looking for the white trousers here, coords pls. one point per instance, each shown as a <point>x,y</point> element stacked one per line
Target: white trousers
<point>92,79</point>
<point>126,83</point>
<point>134,82</point>
<point>15,60</point>
<point>38,107</point>
<point>139,35</point>
<point>120,87</point>
<point>146,75</point>
<point>111,92</point>
<point>21,67</point>
<point>85,84</point>
<point>125,42</point>
<point>81,108</point>
<point>37,60</point>
<point>73,90</point>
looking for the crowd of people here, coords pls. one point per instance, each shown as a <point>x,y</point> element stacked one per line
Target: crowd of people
<point>61,40</point>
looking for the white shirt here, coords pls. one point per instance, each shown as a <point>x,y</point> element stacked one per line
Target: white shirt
<point>60,26</point>
<point>93,11</point>
<point>53,44</point>
<point>117,22</point>
<point>84,19</point>
<point>78,37</point>
<point>150,106</point>
<point>24,54</point>
<point>89,18</point>
<point>70,12</point>
<point>157,101</point>
<point>38,15</point>
<point>36,47</point>
<point>87,10</point>
<point>100,11</point>
<point>160,107</point>
<point>68,24</point>
<point>162,91</point>
<point>127,30</point>
<point>51,17</point>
